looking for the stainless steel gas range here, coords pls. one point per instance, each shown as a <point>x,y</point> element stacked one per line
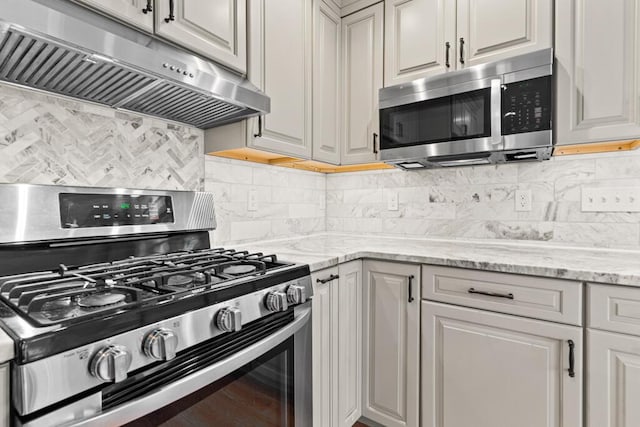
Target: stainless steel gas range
<point>122,313</point>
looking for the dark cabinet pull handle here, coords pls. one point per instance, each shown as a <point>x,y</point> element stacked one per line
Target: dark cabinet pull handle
<point>490,294</point>
<point>171,12</point>
<point>462,50</point>
<point>149,7</point>
<point>448,48</point>
<point>572,359</point>
<point>328,279</point>
<point>411,288</point>
<point>375,139</point>
<point>259,134</point>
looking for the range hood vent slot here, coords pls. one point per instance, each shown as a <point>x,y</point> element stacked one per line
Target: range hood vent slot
<point>40,64</point>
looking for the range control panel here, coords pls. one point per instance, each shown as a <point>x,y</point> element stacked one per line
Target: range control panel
<point>526,106</point>
<point>107,210</point>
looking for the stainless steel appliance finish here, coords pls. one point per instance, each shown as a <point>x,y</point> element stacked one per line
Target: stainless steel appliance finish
<point>488,117</point>
<point>27,213</point>
<point>137,317</point>
<point>60,47</point>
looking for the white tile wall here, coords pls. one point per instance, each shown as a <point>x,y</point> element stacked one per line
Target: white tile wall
<point>289,202</point>
<point>479,202</point>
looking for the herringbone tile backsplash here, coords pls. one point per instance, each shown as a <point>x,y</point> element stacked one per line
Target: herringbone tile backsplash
<point>50,140</point>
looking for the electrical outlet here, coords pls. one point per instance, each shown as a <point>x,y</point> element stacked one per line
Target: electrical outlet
<point>523,200</point>
<point>611,199</point>
<point>252,201</point>
<point>392,200</point>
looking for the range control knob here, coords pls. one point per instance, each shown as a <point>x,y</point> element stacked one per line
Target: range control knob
<point>276,301</point>
<point>111,363</point>
<point>160,344</point>
<point>296,294</point>
<point>229,319</point>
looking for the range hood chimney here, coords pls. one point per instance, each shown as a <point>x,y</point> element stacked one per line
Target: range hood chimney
<point>63,48</point>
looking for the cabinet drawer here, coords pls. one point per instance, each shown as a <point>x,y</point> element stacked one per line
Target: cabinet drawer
<point>614,308</point>
<point>536,297</point>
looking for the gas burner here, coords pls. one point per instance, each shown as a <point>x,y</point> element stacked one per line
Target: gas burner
<point>100,299</point>
<point>180,280</point>
<point>236,270</point>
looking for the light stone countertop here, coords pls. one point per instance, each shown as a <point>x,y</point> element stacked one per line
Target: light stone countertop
<point>610,266</point>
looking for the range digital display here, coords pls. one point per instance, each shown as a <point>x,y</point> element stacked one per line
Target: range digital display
<point>108,210</point>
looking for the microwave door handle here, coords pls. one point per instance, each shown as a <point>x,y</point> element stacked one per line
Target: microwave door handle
<point>496,111</point>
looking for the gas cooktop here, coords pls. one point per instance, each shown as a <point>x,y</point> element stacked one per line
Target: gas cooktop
<point>72,294</point>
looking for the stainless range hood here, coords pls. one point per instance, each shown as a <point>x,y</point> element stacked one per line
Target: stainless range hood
<point>57,46</point>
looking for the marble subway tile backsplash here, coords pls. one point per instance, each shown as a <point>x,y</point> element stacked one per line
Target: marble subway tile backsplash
<point>45,139</point>
<point>289,202</point>
<point>479,202</point>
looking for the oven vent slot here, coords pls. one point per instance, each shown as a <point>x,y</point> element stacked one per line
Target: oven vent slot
<point>148,380</point>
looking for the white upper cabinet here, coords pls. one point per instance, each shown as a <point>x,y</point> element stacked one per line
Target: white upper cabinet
<point>598,70</point>
<point>490,30</point>
<point>362,49</point>
<point>327,60</point>
<point>280,65</point>
<point>419,39</point>
<point>214,28</point>
<point>428,37</point>
<point>133,12</point>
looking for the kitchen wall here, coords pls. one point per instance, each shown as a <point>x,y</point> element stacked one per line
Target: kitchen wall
<point>288,203</point>
<point>478,202</point>
<point>46,139</point>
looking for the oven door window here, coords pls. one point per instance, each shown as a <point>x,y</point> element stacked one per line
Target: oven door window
<point>457,117</point>
<point>260,393</point>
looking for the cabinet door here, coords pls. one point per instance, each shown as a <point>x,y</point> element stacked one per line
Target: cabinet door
<point>496,29</point>
<point>420,39</point>
<point>323,309</point>
<point>391,343</point>
<point>129,11</point>
<point>214,28</point>
<point>348,375</point>
<point>280,65</point>
<point>326,83</point>
<point>484,369</point>
<point>613,380</point>
<point>598,70</point>
<point>362,35</point>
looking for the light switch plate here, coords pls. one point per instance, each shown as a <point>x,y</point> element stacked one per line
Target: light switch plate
<point>252,201</point>
<point>611,199</point>
<point>523,200</point>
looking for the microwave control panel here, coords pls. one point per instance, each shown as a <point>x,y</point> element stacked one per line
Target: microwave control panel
<point>107,210</point>
<point>526,106</point>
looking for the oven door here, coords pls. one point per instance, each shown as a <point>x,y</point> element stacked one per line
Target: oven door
<point>265,383</point>
<point>442,122</point>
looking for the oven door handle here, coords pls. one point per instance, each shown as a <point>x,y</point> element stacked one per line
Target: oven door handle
<point>496,111</point>
<point>170,393</point>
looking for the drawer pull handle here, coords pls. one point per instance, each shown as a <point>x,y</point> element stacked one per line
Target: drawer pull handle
<point>375,140</point>
<point>572,359</point>
<point>462,50</point>
<point>259,134</point>
<point>447,49</point>
<point>171,16</point>
<point>411,299</point>
<point>328,279</point>
<point>490,294</point>
<point>149,7</point>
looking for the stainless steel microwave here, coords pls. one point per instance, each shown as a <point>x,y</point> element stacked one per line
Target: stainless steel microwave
<point>490,113</point>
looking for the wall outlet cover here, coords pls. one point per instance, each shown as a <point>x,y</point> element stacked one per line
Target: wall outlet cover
<point>611,199</point>
<point>392,200</point>
<point>523,200</point>
<point>252,201</point>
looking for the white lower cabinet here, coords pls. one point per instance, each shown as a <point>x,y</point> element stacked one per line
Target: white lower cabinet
<point>613,379</point>
<point>337,345</point>
<point>391,337</point>
<point>484,369</point>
